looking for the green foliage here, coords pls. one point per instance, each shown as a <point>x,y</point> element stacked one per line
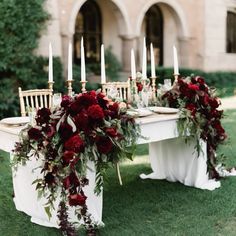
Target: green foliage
<point>20,26</point>
<point>113,66</point>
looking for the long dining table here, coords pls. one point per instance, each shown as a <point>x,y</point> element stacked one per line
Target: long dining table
<point>170,156</point>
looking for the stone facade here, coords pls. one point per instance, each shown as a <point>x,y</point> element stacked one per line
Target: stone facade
<point>197,28</point>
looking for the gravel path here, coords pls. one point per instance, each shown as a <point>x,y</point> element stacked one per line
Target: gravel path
<point>228,103</point>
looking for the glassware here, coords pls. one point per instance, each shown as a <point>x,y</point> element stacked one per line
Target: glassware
<point>56,99</point>
<point>167,84</point>
<point>32,114</point>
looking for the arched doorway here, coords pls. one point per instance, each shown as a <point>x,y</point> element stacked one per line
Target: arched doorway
<point>154,32</point>
<point>89,25</point>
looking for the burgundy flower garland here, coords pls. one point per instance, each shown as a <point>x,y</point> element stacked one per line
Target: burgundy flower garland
<point>200,105</point>
<point>86,127</point>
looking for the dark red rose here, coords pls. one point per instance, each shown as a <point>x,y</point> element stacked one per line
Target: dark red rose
<point>71,181</point>
<point>67,157</point>
<point>202,87</point>
<point>104,145</point>
<point>43,116</point>
<point>49,178</point>
<point>205,99</point>
<point>200,80</point>
<point>49,130</point>
<point>66,100</point>
<point>92,93</point>
<point>66,182</point>
<point>219,129</point>
<point>139,86</point>
<point>102,100</point>
<point>82,120</point>
<point>193,87</point>
<point>81,102</point>
<point>77,199</point>
<point>111,132</point>
<point>75,144</point>
<point>213,103</point>
<point>65,131</point>
<point>95,112</point>
<point>113,110</point>
<point>35,134</point>
<point>216,114</point>
<point>192,108</point>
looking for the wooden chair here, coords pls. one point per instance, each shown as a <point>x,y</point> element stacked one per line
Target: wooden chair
<point>35,98</point>
<point>122,88</point>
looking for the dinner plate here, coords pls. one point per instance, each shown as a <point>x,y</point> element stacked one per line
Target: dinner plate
<point>164,110</point>
<point>140,112</point>
<point>21,120</point>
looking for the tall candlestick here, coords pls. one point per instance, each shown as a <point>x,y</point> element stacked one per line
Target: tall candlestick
<point>176,64</point>
<point>70,63</point>
<point>50,64</point>
<point>133,67</point>
<point>144,67</point>
<point>153,70</point>
<point>103,71</point>
<point>83,78</point>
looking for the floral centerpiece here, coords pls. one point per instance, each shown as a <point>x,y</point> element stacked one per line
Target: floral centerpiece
<point>199,114</point>
<point>85,127</point>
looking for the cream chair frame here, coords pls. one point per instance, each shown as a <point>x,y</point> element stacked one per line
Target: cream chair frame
<point>123,88</point>
<point>35,98</point>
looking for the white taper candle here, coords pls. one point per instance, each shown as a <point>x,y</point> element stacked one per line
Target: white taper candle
<point>83,78</point>
<point>103,71</point>
<point>153,70</point>
<point>176,64</point>
<point>70,76</point>
<point>144,66</point>
<point>133,66</point>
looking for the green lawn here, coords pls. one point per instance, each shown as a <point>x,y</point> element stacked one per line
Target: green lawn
<point>144,207</point>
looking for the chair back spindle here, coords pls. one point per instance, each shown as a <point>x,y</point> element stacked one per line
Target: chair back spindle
<point>35,98</point>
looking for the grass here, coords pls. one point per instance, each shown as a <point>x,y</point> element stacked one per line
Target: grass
<point>143,207</point>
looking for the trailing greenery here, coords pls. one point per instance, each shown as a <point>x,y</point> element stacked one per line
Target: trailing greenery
<point>143,207</point>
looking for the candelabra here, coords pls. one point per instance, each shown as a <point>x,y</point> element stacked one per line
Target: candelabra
<point>153,88</point>
<point>176,76</point>
<point>50,86</point>
<point>83,89</point>
<point>69,87</point>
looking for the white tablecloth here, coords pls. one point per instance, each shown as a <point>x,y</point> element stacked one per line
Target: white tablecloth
<point>26,199</point>
<point>170,159</point>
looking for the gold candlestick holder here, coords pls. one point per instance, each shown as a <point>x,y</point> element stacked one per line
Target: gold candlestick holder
<point>69,87</point>
<point>176,76</point>
<point>83,89</point>
<point>153,88</point>
<point>50,86</point>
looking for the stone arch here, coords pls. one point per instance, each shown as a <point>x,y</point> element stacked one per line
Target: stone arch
<point>179,35</point>
<point>120,12</point>
<point>176,9</point>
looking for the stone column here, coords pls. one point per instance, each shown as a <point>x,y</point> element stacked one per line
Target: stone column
<point>128,42</point>
<point>52,34</point>
<point>185,49</point>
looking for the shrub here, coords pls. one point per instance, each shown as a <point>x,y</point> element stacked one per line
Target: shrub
<point>20,27</point>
